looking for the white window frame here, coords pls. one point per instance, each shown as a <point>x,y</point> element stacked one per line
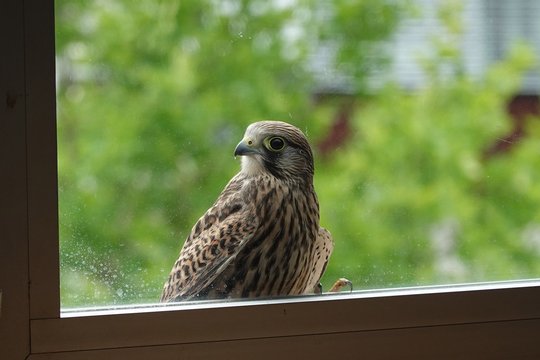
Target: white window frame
<point>494,320</point>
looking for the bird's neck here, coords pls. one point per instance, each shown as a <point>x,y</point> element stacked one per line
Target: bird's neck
<point>255,167</point>
<point>252,166</point>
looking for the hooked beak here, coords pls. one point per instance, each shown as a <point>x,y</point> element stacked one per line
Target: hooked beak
<point>245,147</point>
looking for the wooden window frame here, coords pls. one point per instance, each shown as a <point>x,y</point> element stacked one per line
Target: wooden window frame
<point>496,320</point>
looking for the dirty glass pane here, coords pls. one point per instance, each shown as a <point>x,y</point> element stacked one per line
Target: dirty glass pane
<point>423,117</point>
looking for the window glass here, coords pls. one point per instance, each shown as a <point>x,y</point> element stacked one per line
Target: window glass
<point>423,117</point>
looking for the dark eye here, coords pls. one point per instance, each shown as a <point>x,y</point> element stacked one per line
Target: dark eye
<point>276,144</point>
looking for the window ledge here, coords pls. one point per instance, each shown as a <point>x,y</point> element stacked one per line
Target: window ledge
<point>361,311</point>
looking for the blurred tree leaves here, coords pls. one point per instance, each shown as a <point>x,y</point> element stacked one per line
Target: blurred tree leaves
<point>154,95</point>
<point>427,205</point>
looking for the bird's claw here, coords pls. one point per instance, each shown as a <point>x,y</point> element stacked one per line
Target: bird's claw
<point>341,283</point>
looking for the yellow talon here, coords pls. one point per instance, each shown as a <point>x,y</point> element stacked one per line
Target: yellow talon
<point>341,283</point>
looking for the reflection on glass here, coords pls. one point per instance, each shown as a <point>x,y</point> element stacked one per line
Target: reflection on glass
<point>423,119</point>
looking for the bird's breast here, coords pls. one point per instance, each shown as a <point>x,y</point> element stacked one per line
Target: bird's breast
<point>276,261</point>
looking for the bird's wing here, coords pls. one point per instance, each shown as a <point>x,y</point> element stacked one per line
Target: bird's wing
<point>214,242</point>
<point>324,245</point>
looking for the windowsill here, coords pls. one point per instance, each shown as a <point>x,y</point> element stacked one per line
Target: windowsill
<point>355,295</point>
<point>490,304</point>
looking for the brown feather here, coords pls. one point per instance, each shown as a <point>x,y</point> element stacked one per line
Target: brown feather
<point>261,237</point>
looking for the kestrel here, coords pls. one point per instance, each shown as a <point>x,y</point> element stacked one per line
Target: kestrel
<point>261,238</point>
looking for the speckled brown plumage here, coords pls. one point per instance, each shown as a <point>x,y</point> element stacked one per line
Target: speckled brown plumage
<point>262,236</point>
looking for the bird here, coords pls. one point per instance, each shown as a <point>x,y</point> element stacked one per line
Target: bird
<point>261,237</point>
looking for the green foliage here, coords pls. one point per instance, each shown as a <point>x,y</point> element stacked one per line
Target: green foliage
<point>412,199</point>
<point>152,98</point>
<point>154,95</point>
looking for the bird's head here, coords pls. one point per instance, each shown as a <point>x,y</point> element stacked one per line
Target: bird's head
<point>277,148</point>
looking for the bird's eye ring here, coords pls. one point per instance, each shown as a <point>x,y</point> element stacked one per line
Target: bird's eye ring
<point>275,143</point>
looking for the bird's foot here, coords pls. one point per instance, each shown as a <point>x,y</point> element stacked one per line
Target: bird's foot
<point>340,284</point>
